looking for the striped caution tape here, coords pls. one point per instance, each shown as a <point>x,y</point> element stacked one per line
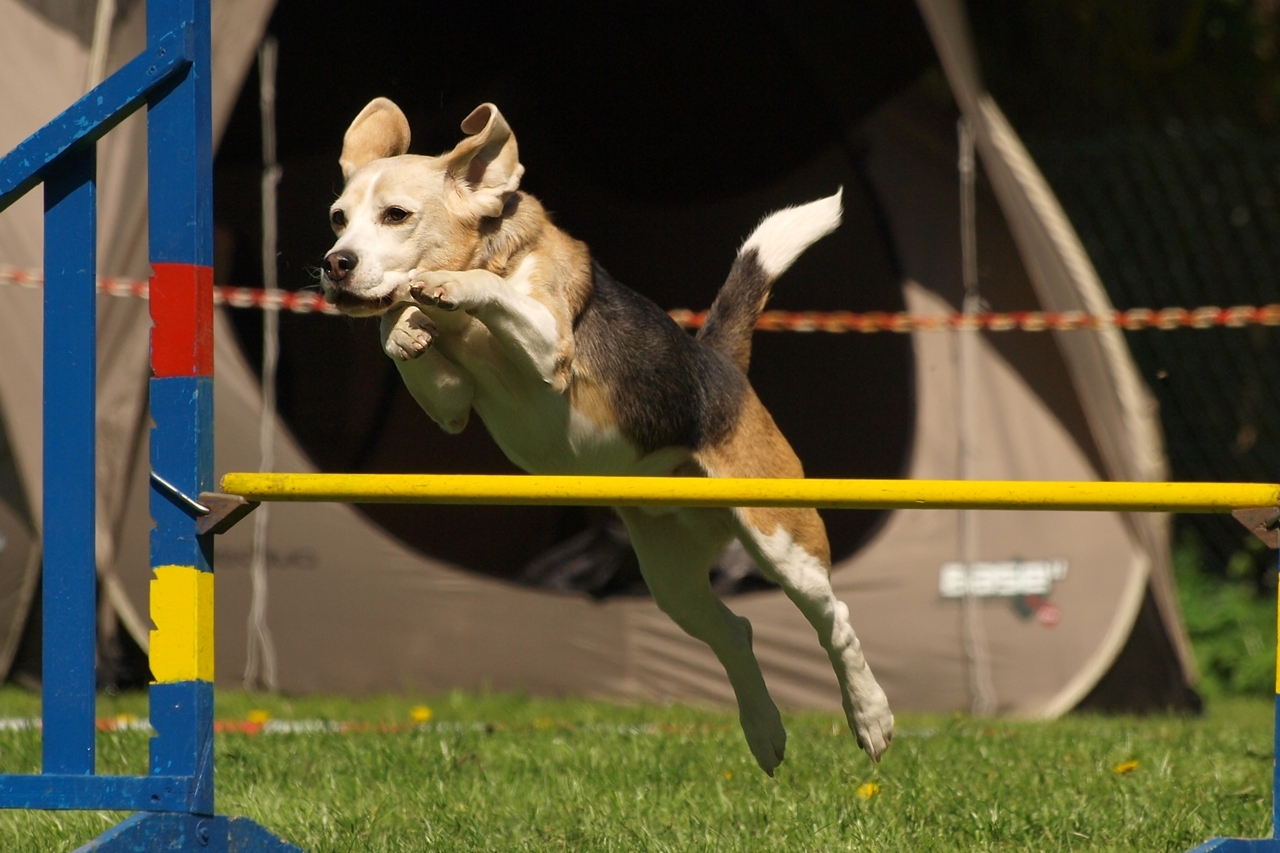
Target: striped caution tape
<point>836,322</point>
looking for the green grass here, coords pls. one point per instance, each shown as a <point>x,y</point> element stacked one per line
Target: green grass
<point>502,772</point>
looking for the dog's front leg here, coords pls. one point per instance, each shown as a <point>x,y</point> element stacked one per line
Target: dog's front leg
<point>406,332</point>
<point>438,385</point>
<point>524,327</point>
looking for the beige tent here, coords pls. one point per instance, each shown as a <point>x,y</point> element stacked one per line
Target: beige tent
<point>1058,609</point>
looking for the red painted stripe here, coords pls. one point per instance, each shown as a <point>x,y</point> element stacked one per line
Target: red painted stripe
<point>182,311</point>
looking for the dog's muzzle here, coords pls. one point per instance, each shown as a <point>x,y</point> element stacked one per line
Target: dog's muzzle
<point>337,278</point>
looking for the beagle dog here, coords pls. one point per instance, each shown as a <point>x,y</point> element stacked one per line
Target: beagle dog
<point>486,305</point>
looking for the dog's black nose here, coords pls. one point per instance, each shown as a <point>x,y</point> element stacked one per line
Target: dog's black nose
<point>338,264</point>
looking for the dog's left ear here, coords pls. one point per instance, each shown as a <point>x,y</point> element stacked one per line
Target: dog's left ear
<point>486,165</point>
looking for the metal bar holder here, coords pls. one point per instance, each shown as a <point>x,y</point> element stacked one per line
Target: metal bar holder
<point>174,802</point>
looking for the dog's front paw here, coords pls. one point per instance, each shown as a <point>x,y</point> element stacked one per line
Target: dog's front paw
<point>437,289</point>
<point>870,718</point>
<point>410,336</point>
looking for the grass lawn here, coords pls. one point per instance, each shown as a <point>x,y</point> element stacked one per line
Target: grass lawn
<point>508,773</point>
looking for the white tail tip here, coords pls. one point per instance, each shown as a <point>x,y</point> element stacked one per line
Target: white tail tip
<point>781,237</point>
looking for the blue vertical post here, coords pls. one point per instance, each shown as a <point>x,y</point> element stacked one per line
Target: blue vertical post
<point>70,359</point>
<point>180,176</point>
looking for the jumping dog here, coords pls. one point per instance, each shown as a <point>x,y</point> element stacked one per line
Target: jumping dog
<point>486,305</point>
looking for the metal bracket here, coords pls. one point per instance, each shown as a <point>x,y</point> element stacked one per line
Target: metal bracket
<point>224,512</point>
<point>213,513</point>
<point>1263,522</point>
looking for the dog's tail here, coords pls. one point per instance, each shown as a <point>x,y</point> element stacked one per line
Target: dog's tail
<point>773,247</point>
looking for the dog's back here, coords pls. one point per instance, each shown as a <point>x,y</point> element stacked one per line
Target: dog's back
<point>665,388</point>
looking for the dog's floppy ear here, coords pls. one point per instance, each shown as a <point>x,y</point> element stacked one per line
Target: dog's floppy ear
<point>381,130</point>
<point>486,165</point>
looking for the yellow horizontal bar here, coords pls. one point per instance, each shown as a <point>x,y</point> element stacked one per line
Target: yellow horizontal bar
<point>699,491</point>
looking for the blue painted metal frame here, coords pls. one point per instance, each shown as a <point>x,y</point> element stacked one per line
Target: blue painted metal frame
<point>172,77</point>
<point>152,833</point>
<point>91,117</point>
<point>70,360</point>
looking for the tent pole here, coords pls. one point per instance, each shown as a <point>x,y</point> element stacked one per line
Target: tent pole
<point>975,642</point>
<point>104,17</point>
<point>260,659</point>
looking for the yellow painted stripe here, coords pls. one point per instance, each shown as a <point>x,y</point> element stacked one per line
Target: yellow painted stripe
<point>182,610</point>
<point>698,491</point>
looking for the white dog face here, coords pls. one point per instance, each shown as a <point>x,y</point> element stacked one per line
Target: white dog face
<point>403,214</point>
<point>390,220</point>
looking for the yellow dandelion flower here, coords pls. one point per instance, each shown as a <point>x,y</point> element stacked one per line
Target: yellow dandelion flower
<point>867,790</point>
<point>126,719</point>
<point>259,716</point>
<point>421,714</point>
<point>543,723</point>
<point>728,774</point>
<point>1125,767</point>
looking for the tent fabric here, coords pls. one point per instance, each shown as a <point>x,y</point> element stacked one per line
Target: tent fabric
<point>1122,411</point>
<point>44,35</point>
<point>19,571</point>
<point>353,609</point>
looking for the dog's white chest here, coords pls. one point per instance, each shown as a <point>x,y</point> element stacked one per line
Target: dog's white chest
<point>535,425</point>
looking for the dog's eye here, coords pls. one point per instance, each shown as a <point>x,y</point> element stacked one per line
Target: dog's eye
<point>394,215</point>
<point>338,218</point>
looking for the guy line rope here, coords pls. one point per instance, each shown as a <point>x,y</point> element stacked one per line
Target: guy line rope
<point>1134,319</point>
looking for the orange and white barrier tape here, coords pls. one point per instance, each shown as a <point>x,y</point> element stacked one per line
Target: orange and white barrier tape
<point>307,302</point>
<point>1026,321</point>
<point>302,302</point>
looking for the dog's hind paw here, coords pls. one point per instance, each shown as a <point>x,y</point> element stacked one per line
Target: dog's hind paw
<point>410,336</point>
<point>765,735</point>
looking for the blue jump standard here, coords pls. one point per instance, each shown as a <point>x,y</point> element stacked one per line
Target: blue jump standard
<point>175,800</point>
<point>156,832</point>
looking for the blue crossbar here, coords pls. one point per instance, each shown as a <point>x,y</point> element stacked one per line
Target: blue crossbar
<point>88,119</point>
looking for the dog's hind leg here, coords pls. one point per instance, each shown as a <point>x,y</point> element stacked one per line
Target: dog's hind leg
<point>790,546</point>
<point>676,550</point>
<point>785,544</point>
